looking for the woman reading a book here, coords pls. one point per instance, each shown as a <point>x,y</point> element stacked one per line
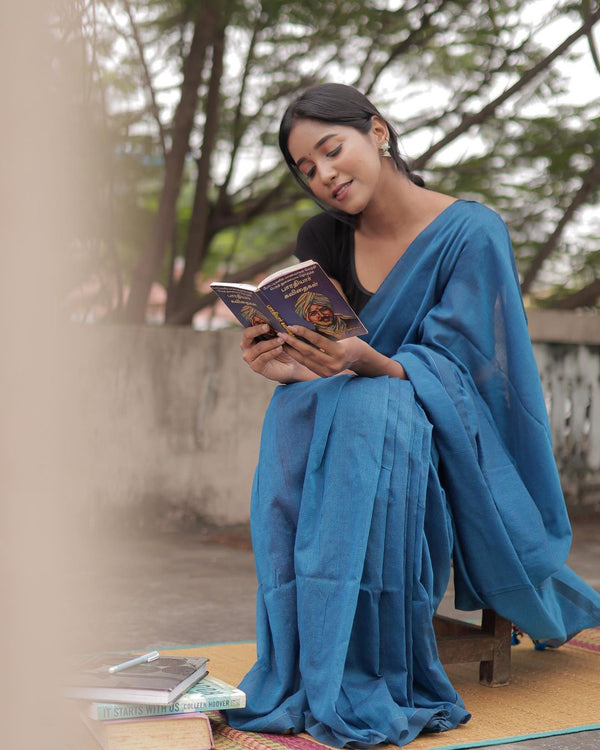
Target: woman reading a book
<point>387,456</point>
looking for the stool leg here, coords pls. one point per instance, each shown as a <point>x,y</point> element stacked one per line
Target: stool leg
<point>496,672</point>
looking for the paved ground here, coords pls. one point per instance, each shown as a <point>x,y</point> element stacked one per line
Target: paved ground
<point>182,588</point>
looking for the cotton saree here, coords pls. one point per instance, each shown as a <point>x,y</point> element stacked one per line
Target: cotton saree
<point>370,491</point>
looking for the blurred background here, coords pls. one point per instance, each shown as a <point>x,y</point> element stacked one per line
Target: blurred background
<point>178,103</point>
<point>174,110</point>
<point>139,163</point>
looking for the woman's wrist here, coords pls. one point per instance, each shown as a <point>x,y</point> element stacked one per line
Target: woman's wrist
<point>301,375</point>
<point>371,364</point>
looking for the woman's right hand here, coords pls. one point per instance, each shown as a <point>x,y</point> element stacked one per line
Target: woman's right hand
<point>269,358</point>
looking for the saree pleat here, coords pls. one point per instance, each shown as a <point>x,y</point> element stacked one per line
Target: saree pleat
<point>367,489</point>
<point>340,563</point>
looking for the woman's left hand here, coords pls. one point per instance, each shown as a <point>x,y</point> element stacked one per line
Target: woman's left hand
<point>322,355</point>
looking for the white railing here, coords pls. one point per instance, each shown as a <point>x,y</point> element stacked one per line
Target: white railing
<point>570,376</point>
<point>567,351</point>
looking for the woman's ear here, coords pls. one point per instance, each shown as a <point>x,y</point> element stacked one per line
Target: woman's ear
<point>379,129</point>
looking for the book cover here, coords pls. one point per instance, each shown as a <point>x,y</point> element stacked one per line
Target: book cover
<point>176,732</point>
<point>157,682</point>
<point>210,694</point>
<point>302,294</point>
<point>247,306</point>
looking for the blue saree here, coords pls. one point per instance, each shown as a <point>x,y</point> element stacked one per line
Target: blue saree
<point>367,488</point>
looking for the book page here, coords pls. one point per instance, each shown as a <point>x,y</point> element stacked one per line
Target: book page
<point>285,271</point>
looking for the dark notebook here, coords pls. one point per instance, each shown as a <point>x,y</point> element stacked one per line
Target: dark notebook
<point>157,682</point>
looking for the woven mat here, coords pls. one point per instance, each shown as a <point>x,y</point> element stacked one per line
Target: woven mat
<point>551,692</point>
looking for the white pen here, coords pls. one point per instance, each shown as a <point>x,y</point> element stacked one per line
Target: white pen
<point>133,662</point>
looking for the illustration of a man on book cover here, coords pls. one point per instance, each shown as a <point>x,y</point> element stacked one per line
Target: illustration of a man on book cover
<point>255,318</point>
<point>318,310</point>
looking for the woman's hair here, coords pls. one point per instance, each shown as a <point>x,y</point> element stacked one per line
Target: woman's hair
<point>343,105</point>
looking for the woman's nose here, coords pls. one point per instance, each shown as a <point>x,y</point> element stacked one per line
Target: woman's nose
<point>328,173</point>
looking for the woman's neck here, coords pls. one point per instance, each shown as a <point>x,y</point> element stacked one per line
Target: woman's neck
<point>392,207</point>
<point>399,207</point>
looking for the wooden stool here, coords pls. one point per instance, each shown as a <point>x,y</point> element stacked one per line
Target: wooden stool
<point>489,644</point>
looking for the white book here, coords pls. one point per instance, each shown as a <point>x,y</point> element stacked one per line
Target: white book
<point>210,694</point>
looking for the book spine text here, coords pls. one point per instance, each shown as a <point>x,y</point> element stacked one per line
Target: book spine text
<point>128,711</point>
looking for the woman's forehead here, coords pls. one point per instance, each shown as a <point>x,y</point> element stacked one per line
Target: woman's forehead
<point>307,136</point>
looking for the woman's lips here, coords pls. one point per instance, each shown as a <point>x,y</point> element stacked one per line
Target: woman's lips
<point>340,192</point>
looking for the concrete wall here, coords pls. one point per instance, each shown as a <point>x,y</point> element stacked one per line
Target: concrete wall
<point>168,421</point>
<point>168,428</point>
<point>564,326</point>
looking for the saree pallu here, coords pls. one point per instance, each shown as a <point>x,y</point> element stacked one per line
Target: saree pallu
<point>367,488</point>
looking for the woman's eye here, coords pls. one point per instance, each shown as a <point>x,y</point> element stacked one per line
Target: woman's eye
<point>310,173</point>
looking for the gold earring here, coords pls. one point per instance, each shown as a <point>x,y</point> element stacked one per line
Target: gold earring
<point>385,150</point>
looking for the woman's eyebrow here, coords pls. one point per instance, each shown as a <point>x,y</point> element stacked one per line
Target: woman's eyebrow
<point>320,142</point>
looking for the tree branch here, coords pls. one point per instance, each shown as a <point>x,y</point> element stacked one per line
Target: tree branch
<point>591,179</point>
<point>476,119</point>
<point>184,315</point>
<point>148,85</point>
<point>256,206</point>
<point>236,136</point>
<point>586,9</point>
<point>586,297</point>
<point>415,35</point>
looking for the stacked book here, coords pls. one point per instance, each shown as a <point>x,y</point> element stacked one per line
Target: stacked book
<point>150,702</point>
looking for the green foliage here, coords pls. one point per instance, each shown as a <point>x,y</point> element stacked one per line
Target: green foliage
<point>237,248</point>
<point>431,66</point>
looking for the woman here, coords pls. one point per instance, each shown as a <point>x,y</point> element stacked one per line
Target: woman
<point>431,443</point>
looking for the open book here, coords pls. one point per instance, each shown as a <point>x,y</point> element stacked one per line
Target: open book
<point>302,294</point>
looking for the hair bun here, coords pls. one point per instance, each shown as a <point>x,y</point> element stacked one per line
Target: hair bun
<point>416,178</point>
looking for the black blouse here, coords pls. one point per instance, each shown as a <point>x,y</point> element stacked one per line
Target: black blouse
<point>330,242</point>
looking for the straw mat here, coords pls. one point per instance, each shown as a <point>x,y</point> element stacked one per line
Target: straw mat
<point>551,692</point>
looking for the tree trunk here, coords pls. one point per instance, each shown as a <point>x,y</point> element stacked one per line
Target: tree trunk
<point>197,239</point>
<point>148,268</point>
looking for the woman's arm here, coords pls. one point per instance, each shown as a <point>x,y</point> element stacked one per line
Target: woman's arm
<point>325,357</point>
